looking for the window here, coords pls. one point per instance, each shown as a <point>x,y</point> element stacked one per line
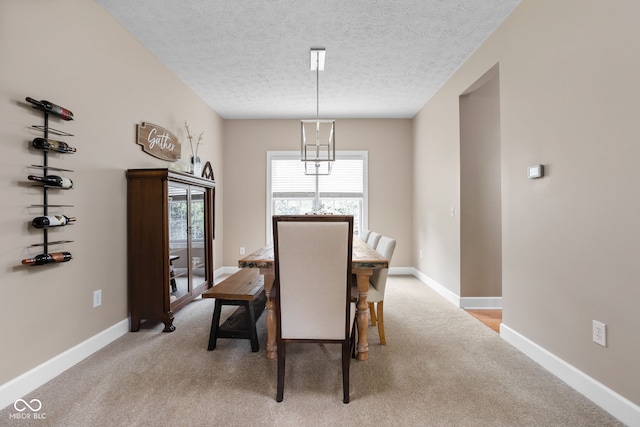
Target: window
<point>291,192</point>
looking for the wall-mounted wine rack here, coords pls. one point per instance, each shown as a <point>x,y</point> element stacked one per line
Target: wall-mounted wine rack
<point>49,109</point>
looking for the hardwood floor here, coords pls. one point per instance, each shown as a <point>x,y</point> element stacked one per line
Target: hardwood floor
<point>491,318</point>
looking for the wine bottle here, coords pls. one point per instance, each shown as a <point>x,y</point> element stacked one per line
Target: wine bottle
<point>52,180</point>
<point>48,258</point>
<point>50,107</point>
<point>51,221</point>
<point>52,144</point>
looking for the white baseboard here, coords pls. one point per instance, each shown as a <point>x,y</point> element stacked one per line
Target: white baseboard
<point>446,293</point>
<point>402,271</point>
<point>617,405</point>
<point>481,303</point>
<point>462,302</point>
<point>224,270</point>
<point>38,376</point>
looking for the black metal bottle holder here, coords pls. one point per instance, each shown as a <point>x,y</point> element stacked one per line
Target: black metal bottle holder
<point>45,188</point>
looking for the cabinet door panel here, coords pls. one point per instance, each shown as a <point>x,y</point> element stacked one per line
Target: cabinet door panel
<point>178,240</point>
<point>198,236</point>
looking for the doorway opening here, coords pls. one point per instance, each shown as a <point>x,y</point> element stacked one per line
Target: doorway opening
<point>481,194</point>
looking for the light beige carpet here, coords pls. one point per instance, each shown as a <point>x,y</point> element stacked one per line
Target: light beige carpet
<point>441,367</point>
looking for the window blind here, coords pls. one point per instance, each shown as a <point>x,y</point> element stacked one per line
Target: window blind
<point>346,179</point>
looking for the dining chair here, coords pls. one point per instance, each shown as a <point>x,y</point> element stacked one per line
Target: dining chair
<point>312,255</point>
<point>373,239</point>
<point>377,285</point>
<point>364,235</point>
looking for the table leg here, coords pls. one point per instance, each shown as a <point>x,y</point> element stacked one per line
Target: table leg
<point>362,316</point>
<point>363,311</point>
<point>270,306</point>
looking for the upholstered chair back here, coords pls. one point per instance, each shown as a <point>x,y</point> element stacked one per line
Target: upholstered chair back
<point>313,264</point>
<point>373,239</point>
<point>386,246</point>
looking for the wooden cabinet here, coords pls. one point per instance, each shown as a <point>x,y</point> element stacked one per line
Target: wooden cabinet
<point>170,242</point>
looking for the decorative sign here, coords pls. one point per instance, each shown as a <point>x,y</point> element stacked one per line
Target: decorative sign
<point>158,142</point>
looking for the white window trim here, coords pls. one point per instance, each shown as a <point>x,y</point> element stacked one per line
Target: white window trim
<point>339,155</point>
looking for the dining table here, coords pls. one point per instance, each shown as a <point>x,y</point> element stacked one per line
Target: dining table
<point>364,261</point>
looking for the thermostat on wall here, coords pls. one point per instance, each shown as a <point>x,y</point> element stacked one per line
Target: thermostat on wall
<point>536,171</point>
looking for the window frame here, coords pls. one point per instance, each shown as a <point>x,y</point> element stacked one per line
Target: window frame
<point>276,154</point>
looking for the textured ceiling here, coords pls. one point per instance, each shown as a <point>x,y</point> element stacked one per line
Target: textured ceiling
<point>250,58</point>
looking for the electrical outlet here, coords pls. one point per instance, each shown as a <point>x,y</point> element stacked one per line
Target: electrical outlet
<point>97,298</point>
<point>599,333</point>
<point>241,251</point>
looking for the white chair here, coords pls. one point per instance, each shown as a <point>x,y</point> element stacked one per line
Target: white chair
<point>377,285</point>
<point>373,239</point>
<point>312,286</point>
<point>364,234</point>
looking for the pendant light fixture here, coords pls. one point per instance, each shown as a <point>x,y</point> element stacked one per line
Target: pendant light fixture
<point>318,150</point>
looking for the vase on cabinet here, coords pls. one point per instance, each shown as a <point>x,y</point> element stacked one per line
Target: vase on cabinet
<point>196,166</point>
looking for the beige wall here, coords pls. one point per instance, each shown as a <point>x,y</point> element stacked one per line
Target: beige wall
<point>388,143</point>
<point>569,100</point>
<point>73,53</point>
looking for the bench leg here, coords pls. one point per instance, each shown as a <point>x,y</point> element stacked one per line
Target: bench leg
<point>215,321</point>
<point>251,319</point>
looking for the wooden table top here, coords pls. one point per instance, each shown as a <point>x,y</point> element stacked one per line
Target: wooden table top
<point>363,257</point>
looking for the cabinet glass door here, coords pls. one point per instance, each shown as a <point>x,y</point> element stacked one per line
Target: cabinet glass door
<point>197,237</point>
<point>178,241</point>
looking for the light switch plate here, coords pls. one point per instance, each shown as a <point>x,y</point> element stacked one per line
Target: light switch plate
<point>97,298</point>
<point>536,171</point>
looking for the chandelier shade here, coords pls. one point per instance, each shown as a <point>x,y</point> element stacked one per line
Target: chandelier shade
<point>318,149</point>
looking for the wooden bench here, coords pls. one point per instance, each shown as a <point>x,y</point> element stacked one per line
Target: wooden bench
<point>245,289</point>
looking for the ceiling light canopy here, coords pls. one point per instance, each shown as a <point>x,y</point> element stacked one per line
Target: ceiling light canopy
<point>316,58</point>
